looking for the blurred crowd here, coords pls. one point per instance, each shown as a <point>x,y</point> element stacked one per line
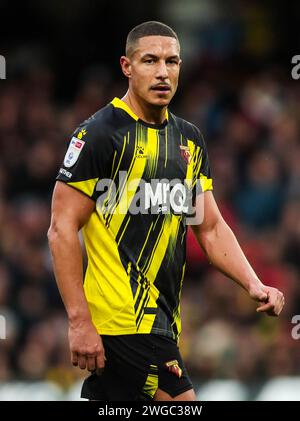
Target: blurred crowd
<point>250,121</point>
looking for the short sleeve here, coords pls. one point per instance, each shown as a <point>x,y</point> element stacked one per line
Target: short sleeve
<point>86,159</point>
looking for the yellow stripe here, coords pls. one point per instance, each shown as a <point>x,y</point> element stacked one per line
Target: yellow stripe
<point>176,314</point>
<point>147,237</point>
<point>166,135</point>
<point>106,277</point>
<point>148,261</point>
<point>138,139</point>
<point>153,267</point>
<point>157,135</point>
<point>109,198</point>
<point>139,299</point>
<point>190,166</point>
<point>160,249</point>
<point>113,164</point>
<point>206,183</point>
<point>183,234</point>
<point>152,152</point>
<point>137,291</point>
<point>126,196</point>
<point>115,202</point>
<point>86,186</point>
<point>175,224</point>
<point>124,230</point>
<point>198,161</point>
<point>118,103</point>
<point>154,226</point>
<point>151,385</point>
<point>153,288</point>
<point>121,157</point>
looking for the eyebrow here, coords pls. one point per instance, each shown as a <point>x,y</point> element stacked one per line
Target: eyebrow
<point>155,56</point>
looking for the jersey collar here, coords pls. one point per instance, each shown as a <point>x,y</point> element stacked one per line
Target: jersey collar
<point>118,103</point>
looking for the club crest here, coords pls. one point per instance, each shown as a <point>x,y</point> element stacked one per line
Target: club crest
<point>174,368</point>
<point>185,153</point>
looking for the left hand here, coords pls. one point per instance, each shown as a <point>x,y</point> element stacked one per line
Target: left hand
<point>271,299</point>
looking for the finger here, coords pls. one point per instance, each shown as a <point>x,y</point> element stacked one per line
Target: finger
<point>100,360</point>
<point>74,358</point>
<point>282,300</point>
<point>91,363</point>
<point>276,308</point>
<point>265,307</point>
<point>279,305</point>
<point>82,361</point>
<point>263,297</point>
<point>279,301</point>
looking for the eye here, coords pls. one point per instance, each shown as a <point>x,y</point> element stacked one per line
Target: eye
<point>149,61</point>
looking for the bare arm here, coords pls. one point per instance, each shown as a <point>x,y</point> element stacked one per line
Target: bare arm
<point>224,252</point>
<point>70,211</point>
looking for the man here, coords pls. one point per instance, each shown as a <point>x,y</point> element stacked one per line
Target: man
<point>124,321</point>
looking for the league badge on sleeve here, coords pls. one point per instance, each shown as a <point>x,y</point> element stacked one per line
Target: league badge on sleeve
<point>73,152</point>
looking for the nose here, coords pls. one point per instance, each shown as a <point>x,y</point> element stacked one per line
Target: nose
<point>162,72</point>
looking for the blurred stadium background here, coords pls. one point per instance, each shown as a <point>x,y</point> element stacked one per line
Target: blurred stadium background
<point>236,85</point>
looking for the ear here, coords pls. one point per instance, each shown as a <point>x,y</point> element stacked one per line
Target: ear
<point>126,66</point>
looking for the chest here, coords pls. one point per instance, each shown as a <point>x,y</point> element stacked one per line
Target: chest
<point>147,153</point>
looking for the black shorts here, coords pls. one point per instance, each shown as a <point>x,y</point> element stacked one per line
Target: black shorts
<point>136,366</point>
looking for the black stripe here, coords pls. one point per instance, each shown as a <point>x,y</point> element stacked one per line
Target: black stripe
<point>150,310</point>
<point>136,305</point>
<point>141,312</point>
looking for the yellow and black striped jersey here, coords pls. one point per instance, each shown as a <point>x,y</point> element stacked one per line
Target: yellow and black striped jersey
<point>135,238</point>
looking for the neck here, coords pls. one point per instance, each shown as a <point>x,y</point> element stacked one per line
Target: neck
<point>149,113</point>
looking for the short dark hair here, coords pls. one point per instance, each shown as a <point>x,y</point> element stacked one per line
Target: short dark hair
<point>146,29</point>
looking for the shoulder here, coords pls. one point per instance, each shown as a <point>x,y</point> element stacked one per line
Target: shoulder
<point>101,125</point>
<point>187,129</point>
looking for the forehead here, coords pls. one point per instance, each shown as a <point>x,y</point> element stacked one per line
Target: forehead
<point>157,45</point>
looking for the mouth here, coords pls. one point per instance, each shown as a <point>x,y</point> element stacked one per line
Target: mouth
<point>161,89</point>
